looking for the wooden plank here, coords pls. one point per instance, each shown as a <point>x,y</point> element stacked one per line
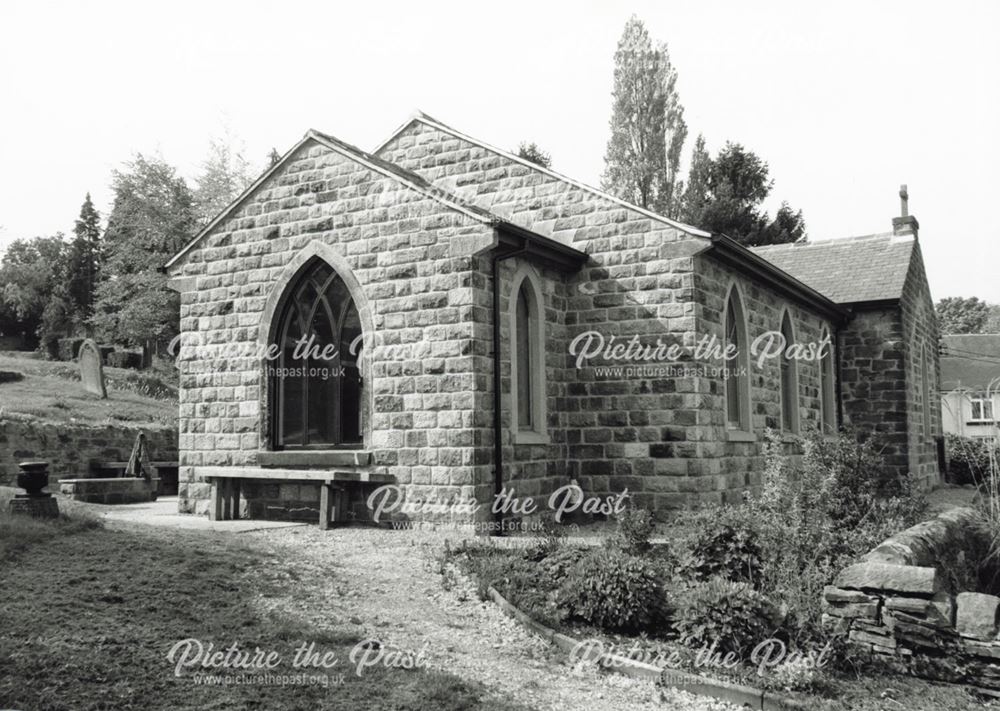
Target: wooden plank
<point>327,475</point>
<point>315,458</point>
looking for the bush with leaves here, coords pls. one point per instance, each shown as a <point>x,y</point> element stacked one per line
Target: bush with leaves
<point>722,541</point>
<point>614,591</point>
<point>816,518</point>
<point>730,615</point>
<point>968,459</point>
<point>635,526</point>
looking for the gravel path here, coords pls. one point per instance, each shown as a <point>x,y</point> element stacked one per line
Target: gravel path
<point>387,585</point>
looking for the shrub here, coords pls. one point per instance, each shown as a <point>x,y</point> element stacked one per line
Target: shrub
<point>614,591</point>
<point>635,526</point>
<point>793,674</point>
<point>731,615</point>
<point>968,459</point>
<point>723,542</point>
<point>815,519</point>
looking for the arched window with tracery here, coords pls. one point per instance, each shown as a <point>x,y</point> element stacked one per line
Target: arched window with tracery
<point>316,378</point>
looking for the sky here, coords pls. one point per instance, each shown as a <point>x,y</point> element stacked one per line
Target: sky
<point>845,101</point>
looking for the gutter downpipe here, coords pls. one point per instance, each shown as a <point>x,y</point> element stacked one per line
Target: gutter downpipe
<point>497,399</point>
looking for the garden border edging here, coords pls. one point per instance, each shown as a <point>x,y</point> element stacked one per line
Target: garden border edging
<point>693,683</point>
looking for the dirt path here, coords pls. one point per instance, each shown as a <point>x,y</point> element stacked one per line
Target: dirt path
<point>386,585</point>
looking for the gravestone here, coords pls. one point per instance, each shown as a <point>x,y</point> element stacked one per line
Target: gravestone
<point>91,369</point>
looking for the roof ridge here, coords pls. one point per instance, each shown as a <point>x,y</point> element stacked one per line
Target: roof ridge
<point>430,121</point>
<point>874,237</point>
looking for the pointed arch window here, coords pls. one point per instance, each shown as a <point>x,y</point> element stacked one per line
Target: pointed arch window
<point>527,365</point>
<point>736,372</point>
<point>789,380</point>
<point>317,381</point>
<point>828,402</point>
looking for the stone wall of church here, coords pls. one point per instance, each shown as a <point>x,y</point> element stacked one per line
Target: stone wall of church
<point>429,407</point>
<point>884,350</point>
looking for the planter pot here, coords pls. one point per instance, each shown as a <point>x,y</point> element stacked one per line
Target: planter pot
<point>33,477</point>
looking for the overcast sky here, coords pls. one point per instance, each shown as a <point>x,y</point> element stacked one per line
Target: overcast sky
<point>845,101</point>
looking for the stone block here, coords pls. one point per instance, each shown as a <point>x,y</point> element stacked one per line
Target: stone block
<point>976,615</point>
<point>891,578</point>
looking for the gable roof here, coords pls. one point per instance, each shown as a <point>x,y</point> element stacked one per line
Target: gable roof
<point>851,270</point>
<point>970,361</point>
<point>421,117</point>
<point>401,175</point>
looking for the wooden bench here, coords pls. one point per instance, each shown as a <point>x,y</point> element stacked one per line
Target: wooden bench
<point>226,481</point>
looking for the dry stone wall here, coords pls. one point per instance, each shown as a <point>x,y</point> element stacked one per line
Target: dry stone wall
<point>904,603</point>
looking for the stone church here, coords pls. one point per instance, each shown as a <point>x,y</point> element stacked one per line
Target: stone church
<point>453,321</point>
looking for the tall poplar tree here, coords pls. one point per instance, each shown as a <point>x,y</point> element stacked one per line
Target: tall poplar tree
<point>86,259</point>
<point>647,124</point>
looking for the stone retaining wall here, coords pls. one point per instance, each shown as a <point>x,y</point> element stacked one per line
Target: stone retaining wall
<point>904,603</point>
<point>69,448</point>
<point>118,490</point>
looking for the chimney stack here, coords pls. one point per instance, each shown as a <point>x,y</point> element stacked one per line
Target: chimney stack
<point>905,224</point>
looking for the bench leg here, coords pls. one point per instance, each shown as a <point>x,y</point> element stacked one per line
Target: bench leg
<point>324,506</point>
<point>215,511</point>
<point>331,506</point>
<point>231,500</point>
<point>225,504</point>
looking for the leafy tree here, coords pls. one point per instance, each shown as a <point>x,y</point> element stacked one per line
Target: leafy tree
<point>725,194</point>
<point>224,175</point>
<point>152,217</point>
<point>697,191</point>
<point>788,226</point>
<point>993,323</point>
<point>647,124</point>
<point>531,152</point>
<point>33,275</point>
<point>85,259</point>
<point>957,314</point>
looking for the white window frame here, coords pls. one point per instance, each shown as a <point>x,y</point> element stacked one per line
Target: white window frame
<point>985,403</point>
<point>527,277</point>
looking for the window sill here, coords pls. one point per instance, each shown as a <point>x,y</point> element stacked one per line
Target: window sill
<point>530,437</point>
<point>740,436</point>
<point>789,437</point>
<point>315,458</point>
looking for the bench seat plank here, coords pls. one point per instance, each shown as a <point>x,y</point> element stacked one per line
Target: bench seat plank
<point>321,475</point>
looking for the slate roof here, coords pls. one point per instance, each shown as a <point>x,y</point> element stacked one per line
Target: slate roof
<point>970,361</point>
<point>868,268</point>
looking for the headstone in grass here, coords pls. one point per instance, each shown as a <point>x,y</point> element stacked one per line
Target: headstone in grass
<point>91,369</point>
<point>10,376</point>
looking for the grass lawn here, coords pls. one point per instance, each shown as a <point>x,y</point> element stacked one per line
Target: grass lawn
<point>89,615</point>
<point>51,391</point>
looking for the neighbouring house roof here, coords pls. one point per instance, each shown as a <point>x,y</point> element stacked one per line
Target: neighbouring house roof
<point>848,271</point>
<point>970,361</point>
<point>556,251</point>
